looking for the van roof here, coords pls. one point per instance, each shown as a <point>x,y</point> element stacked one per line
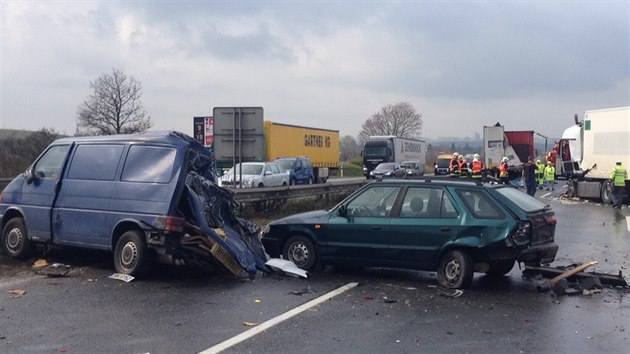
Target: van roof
<point>158,136</point>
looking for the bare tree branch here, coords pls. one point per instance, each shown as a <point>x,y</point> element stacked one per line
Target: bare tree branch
<point>113,107</point>
<point>400,119</point>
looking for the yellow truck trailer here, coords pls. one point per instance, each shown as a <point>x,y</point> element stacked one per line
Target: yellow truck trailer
<point>320,145</point>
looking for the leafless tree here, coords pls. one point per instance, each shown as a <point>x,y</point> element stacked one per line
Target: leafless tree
<point>113,107</point>
<point>400,119</point>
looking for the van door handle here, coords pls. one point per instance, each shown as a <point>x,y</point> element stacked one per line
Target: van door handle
<point>445,229</point>
<point>376,227</point>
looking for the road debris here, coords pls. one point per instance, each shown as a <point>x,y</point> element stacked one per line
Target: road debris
<point>55,270</point>
<point>17,293</point>
<point>604,278</point>
<point>569,273</point>
<point>300,292</point>
<point>40,263</point>
<point>450,292</point>
<point>286,267</point>
<point>122,277</point>
<point>250,324</point>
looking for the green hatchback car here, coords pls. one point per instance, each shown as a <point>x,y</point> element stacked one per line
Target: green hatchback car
<point>449,226</point>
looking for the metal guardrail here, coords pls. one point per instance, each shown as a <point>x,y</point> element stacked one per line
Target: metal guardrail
<point>250,195</point>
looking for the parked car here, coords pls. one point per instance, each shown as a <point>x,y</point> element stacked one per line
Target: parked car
<point>413,168</point>
<point>141,196</point>
<point>300,169</point>
<point>387,170</point>
<point>255,174</point>
<point>442,165</point>
<point>452,227</point>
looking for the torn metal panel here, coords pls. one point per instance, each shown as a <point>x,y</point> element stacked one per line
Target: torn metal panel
<point>234,242</point>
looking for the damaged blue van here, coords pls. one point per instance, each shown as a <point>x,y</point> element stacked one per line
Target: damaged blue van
<point>139,195</point>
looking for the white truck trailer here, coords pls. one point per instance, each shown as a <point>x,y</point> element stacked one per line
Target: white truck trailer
<point>588,151</point>
<point>378,149</point>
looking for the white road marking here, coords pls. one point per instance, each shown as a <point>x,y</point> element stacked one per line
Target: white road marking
<point>544,195</point>
<point>628,222</point>
<point>276,320</point>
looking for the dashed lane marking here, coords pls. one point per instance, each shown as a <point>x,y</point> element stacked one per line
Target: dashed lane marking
<point>276,320</point>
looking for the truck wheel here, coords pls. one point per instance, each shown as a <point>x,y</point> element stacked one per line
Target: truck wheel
<point>606,192</point>
<point>292,182</point>
<point>500,268</point>
<point>455,270</point>
<point>301,251</point>
<point>310,180</point>
<point>131,255</point>
<point>260,185</point>
<point>15,242</point>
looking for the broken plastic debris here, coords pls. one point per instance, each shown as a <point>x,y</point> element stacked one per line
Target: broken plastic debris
<point>450,292</point>
<point>250,324</point>
<point>286,267</point>
<point>40,263</point>
<point>124,277</point>
<point>301,291</point>
<point>257,301</point>
<point>17,292</point>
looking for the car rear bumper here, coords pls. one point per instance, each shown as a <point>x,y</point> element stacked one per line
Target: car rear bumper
<point>543,253</point>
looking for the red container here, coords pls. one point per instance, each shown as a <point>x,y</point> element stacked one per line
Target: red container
<point>522,142</point>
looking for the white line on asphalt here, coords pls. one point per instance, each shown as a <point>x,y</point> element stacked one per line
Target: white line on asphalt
<point>628,222</point>
<point>544,195</point>
<point>276,320</point>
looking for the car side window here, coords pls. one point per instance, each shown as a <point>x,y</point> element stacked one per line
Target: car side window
<point>149,164</point>
<point>416,203</point>
<point>375,201</point>
<point>95,162</point>
<point>479,204</point>
<point>275,168</point>
<point>51,162</point>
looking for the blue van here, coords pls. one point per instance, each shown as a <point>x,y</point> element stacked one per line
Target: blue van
<point>137,195</point>
<point>300,169</point>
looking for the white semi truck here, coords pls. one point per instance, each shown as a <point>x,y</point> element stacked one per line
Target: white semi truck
<point>378,149</point>
<point>588,151</point>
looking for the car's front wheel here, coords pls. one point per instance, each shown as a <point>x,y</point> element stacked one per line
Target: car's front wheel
<point>15,242</point>
<point>456,270</point>
<point>131,255</point>
<point>301,251</point>
<point>501,267</point>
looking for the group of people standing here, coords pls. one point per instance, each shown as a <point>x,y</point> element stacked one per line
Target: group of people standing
<point>460,168</point>
<point>538,176</point>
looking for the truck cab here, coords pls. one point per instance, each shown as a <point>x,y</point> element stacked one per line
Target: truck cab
<point>376,152</point>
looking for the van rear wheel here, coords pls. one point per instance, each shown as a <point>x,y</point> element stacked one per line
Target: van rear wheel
<point>131,255</point>
<point>15,242</point>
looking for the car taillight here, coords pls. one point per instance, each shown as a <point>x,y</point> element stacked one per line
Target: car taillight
<point>170,223</point>
<point>522,234</point>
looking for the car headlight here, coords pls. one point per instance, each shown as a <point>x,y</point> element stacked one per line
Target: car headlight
<point>248,182</point>
<point>388,173</point>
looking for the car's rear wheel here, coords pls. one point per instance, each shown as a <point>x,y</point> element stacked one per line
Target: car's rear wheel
<point>301,251</point>
<point>310,180</point>
<point>15,242</point>
<point>501,267</point>
<point>131,255</point>
<point>456,270</point>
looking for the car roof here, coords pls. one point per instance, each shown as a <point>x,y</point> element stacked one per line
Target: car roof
<point>156,136</point>
<point>442,181</point>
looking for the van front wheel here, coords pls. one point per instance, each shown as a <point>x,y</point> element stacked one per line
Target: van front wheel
<point>15,242</point>
<point>131,255</point>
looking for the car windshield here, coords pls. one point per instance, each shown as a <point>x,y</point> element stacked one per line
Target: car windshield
<point>522,200</point>
<point>443,162</point>
<point>385,166</point>
<point>408,165</point>
<point>285,164</point>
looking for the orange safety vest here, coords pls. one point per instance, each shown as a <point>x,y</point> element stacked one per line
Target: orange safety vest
<point>477,168</point>
<point>503,168</point>
<point>463,169</point>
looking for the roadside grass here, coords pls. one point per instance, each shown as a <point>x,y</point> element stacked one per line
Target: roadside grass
<point>350,170</point>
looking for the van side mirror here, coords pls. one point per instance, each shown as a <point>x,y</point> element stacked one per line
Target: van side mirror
<point>30,176</point>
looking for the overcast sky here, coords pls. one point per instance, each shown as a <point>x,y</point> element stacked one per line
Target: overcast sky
<point>529,65</point>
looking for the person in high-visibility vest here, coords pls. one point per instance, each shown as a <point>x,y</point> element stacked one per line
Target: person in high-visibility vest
<point>540,174</point>
<point>453,166</point>
<point>463,167</point>
<point>503,171</point>
<point>550,175</point>
<point>476,167</point>
<point>618,177</point>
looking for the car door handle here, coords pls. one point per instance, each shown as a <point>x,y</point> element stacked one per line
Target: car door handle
<point>376,227</point>
<point>445,229</point>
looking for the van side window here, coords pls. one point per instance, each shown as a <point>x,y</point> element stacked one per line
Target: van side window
<point>95,162</point>
<point>153,164</point>
<point>51,162</point>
